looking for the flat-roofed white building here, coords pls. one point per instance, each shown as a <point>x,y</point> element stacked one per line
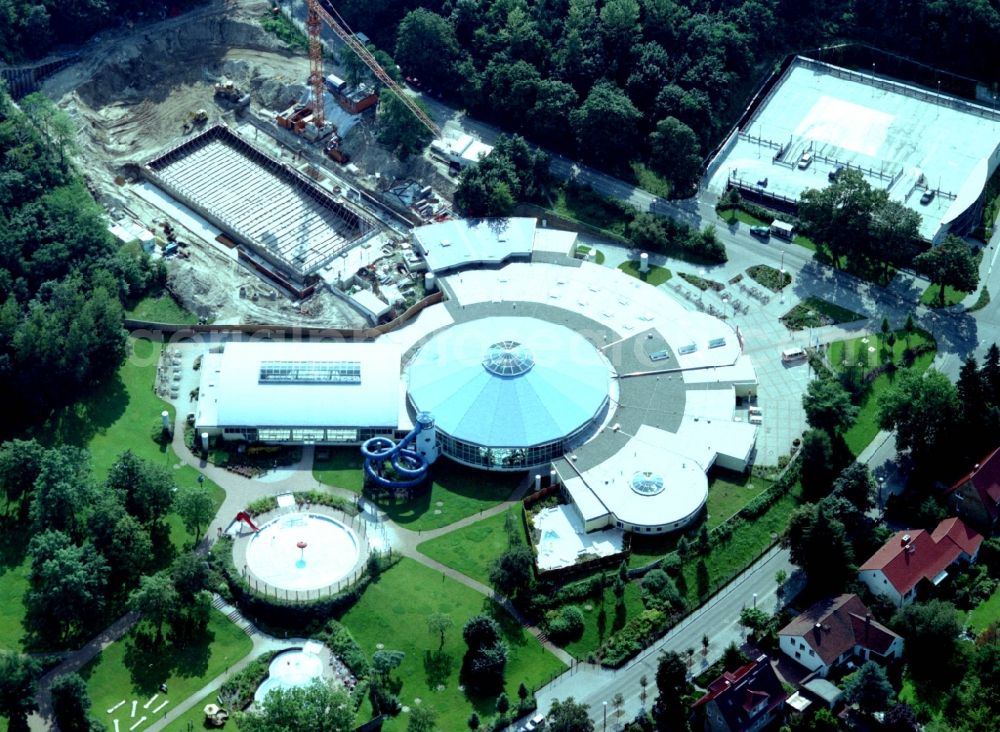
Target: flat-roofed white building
<point>301,393</point>
<point>540,365</point>
<point>932,152</point>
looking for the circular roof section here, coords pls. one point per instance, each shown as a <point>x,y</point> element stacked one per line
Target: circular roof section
<point>509,381</point>
<point>508,358</point>
<point>647,483</point>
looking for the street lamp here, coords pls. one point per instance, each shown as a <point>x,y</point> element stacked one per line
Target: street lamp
<point>605,717</point>
<point>881,485</point>
<point>755,601</point>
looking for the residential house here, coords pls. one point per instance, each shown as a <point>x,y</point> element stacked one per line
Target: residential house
<point>744,700</point>
<point>976,497</point>
<point>835,630</point>
<point>913,561</point>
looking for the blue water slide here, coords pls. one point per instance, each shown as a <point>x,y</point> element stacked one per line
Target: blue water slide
<point>409,465</point>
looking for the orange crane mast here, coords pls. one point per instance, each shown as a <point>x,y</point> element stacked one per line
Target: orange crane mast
<point>314,25</point>
<point>319,14</point>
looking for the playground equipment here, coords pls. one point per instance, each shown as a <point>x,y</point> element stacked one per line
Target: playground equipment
<point>244,517</point>
<point>409,465</point>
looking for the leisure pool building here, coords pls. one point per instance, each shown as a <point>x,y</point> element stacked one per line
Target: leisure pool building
<point>534,361</point>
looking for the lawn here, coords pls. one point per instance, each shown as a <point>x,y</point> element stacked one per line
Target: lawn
<point>583,250</point>
<point>342,469</point>
<point>456,491</point>
<point>13,579</point>
<point>655,276</point>
<point>814,312</point>
<point>592,209</point>
<point>126,670</point>
<point>732,215</point>
<point>650,181</point>
<point>123,413</point>
<point>865,427</point>
<point>394,612</point>
<point>592,636</point>
<point>805,242</point>
<point>747,542</point>
<point>985,613</point>
<point>161,309</point>
<point>195,716</point>
<point>285,30</point>
<point>728,492</point>
<point>933,293</point>
<point>472,549</point>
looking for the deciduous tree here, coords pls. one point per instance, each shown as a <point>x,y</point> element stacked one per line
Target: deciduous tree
<point>512,573</point>
<point>828,406</point>
<point>923,410</point>
<point>195,507</point>
<point>148,488</point>
<point>66,587</point>
<point>71,703</point>
<point>949,264</point>
<point>674,152</point>
<point>605,125</point>
<point>569,716</point>
<point>318,707</point>
<point>936,656</point>
<point>426,47</point>
<point>669,710</point>
<point>870,689</point>
<point>438,624</point>
<point>18,684</point>
<point>399,128</point>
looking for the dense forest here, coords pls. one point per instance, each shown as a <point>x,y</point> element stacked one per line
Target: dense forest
<point>653,80</point>
<point>31,29</point>
<point>63,277</point>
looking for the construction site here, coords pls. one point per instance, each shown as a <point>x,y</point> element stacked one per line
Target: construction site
<point>254,171</point>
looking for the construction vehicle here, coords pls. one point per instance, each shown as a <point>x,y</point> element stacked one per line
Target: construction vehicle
<point>227,95</point>
<point>335,152</point>
<point>196,118</point>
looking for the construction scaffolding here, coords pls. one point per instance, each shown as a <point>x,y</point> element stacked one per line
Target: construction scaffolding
<point>281,217</point>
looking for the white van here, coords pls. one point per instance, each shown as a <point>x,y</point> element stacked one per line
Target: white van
<point>782,229</point>
<point>791,355</point>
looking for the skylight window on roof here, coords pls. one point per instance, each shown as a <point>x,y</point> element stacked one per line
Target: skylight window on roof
<point>310,372</point>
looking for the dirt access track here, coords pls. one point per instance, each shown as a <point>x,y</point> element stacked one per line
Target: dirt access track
<point>130,97</point>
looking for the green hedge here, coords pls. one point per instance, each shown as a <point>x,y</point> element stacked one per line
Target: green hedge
<point>309,615</point>
<point>319,498</point>
<point>236,692</point>
<point>637,634</point>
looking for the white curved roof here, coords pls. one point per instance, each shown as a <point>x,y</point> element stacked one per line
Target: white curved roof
<point>509,381</point>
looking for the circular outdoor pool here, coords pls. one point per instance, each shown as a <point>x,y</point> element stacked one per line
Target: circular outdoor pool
<point>302,552</point>
<point>288,670</point>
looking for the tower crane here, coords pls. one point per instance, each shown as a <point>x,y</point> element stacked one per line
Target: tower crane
<point>320,13</point>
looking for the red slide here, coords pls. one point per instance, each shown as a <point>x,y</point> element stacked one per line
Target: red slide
<point>245,518</point>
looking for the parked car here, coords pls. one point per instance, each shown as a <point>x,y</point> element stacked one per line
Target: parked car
<point>805,160</point>
<point>763,232</point>
<point>927,197</point>
<point>536,722</point>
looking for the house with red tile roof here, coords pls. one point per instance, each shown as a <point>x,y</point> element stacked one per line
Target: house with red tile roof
<point>975,498</point>
<point>916,560</point>
<point>744,700</point>
<point>835,630</point>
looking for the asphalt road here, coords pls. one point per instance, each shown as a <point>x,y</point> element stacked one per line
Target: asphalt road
<point>719,619</point>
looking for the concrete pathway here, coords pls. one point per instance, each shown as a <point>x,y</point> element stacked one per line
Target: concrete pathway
<point>42,719</point>
<point>262,643</point>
